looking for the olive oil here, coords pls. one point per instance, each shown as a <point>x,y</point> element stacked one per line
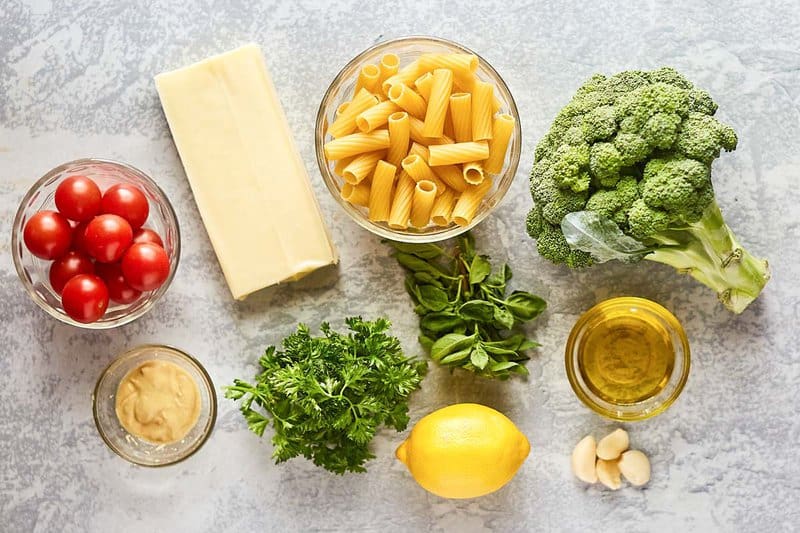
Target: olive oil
<point>626,357</point>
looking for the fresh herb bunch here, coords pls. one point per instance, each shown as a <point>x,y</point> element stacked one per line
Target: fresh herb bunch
<point>328,395</point>
<point>466,319</point>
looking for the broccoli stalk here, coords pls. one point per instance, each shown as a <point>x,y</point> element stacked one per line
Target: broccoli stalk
<point>708,251</point>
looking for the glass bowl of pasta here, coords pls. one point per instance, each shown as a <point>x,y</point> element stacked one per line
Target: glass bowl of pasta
<point>418,139</point>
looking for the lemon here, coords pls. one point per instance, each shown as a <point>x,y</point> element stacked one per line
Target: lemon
<point>464,451</point>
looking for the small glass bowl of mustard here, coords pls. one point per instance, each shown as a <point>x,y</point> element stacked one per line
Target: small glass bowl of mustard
<point>627,358</point>
<point>135,448</point>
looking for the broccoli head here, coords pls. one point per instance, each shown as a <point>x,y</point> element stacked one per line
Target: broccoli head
<point>637,148</point>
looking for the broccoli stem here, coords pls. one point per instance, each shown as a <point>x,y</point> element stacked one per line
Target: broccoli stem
<point>708,251</point>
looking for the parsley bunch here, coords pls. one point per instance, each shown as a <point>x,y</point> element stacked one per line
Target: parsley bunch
<point>466,319</point>
<point>328,395</point>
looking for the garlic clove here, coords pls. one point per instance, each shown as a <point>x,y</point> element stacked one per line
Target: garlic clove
<point>635,466</point>
<point>608,474</point>
<point>583,460</point>
<point>612,445</point>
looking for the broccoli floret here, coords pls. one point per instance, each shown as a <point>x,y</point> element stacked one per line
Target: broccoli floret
<point>637,148</point>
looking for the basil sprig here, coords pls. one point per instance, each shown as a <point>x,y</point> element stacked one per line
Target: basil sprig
<point>466,319</point>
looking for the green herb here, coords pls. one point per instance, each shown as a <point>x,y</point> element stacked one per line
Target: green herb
<point>327,396</point>
<point>466,319</point>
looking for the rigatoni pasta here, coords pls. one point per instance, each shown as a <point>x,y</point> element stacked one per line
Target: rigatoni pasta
<point>380,194</point>
<point>399,136</point>
<point>502,129</point>
<point>422,203</point>
<point>419,146</point>
<point>453,154</point>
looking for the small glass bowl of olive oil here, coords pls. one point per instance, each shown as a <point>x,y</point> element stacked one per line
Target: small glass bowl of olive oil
<point>627,358</point>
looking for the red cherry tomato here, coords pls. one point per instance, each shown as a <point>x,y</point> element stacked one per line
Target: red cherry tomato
<point>79,238</point>
<point>128,202</point>
<point>145,266</point>
<point>118,289</point>
<point>47,234</point>
<point>147,235</point>
<point>78,198</point>
<point>67,267</point>
<point>85,298</point>
<point>107,237</point>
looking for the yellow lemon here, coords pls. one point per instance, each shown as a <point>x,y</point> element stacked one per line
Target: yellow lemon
<point>464,451</point>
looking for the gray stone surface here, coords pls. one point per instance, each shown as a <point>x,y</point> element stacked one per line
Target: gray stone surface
<point>76,80</point>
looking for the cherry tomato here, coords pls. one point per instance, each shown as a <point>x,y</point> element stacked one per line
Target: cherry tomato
<point>107,237</point>
<point>47,234</point>
<point>118,289</point>
<point>79,238</point>
<point>147,235</point>
<point>67,267</point>
<point>85,298</point>
<point>128,202</point>
<point>145,266</point>
<point>78,198</point>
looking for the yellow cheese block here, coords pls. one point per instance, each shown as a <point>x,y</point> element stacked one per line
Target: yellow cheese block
<point>248,180</point>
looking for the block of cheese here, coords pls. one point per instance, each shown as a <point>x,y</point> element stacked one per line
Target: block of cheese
<point>248,180</point>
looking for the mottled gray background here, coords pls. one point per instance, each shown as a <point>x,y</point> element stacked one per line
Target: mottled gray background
<point>76,80</point>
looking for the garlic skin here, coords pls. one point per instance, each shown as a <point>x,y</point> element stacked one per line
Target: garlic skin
<point>635,467</point>
<point>583,460</point>
<point>612,445</point>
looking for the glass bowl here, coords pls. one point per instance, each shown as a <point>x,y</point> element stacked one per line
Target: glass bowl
<point>638,314</point>
<point>131,447</point>
<point>341,90</point>
<point>34,271</point>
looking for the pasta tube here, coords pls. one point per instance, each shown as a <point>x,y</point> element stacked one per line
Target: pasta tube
<point>356,143</point>
<point>453,154</point>
<point>375,116</point>
<point>417,136</point>
<point>473,173</point>
<point>380,194</point>
<point>388,66</point>
<point>356,194</point>
<point>368,78</point>
<point>443,208</point>
<point>469,201</point>
<point>482,95</point>
<point>452,176</point>
<point>340,165</point>
<point>461,114</point>
<point>399,132</point>
<point>361,166</point>
<point>422,203</point>
<point>405,75</point>
<point>502,129</point>
<point>441,88</point>
<point>345,123</point>
<point>423,85</point>
<point>405,97</point>
<point>401,202</point>
<point>341,108</point>
<point>461,64</point>
<point>420,171</point>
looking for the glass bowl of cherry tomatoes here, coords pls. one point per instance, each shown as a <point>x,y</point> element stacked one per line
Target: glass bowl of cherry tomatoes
<point>96,243</point>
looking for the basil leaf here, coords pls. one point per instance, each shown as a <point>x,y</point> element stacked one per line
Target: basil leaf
<point>426,342</point>
<point>479,269</point>
<point>442,321</point>
<point>502,365</point>
<point>432,297</point>
<point>497,350</point>
<point>512,343</point>
<point>425,277</point>
<point>411,288</point>
<point>452,342</point>
<point>503,318</point>
<point>478,310</point>
<point>528,345</point>
<point>424,251</point>
<point>600,236</point>
<point>524,305</point>
<point>455,357</point>
<point>479,357</point>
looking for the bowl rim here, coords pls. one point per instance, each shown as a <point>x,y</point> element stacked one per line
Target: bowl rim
<point>632,416</point>
<point>444,233</point>
<point>16,230</point>
<point>207,381</point>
